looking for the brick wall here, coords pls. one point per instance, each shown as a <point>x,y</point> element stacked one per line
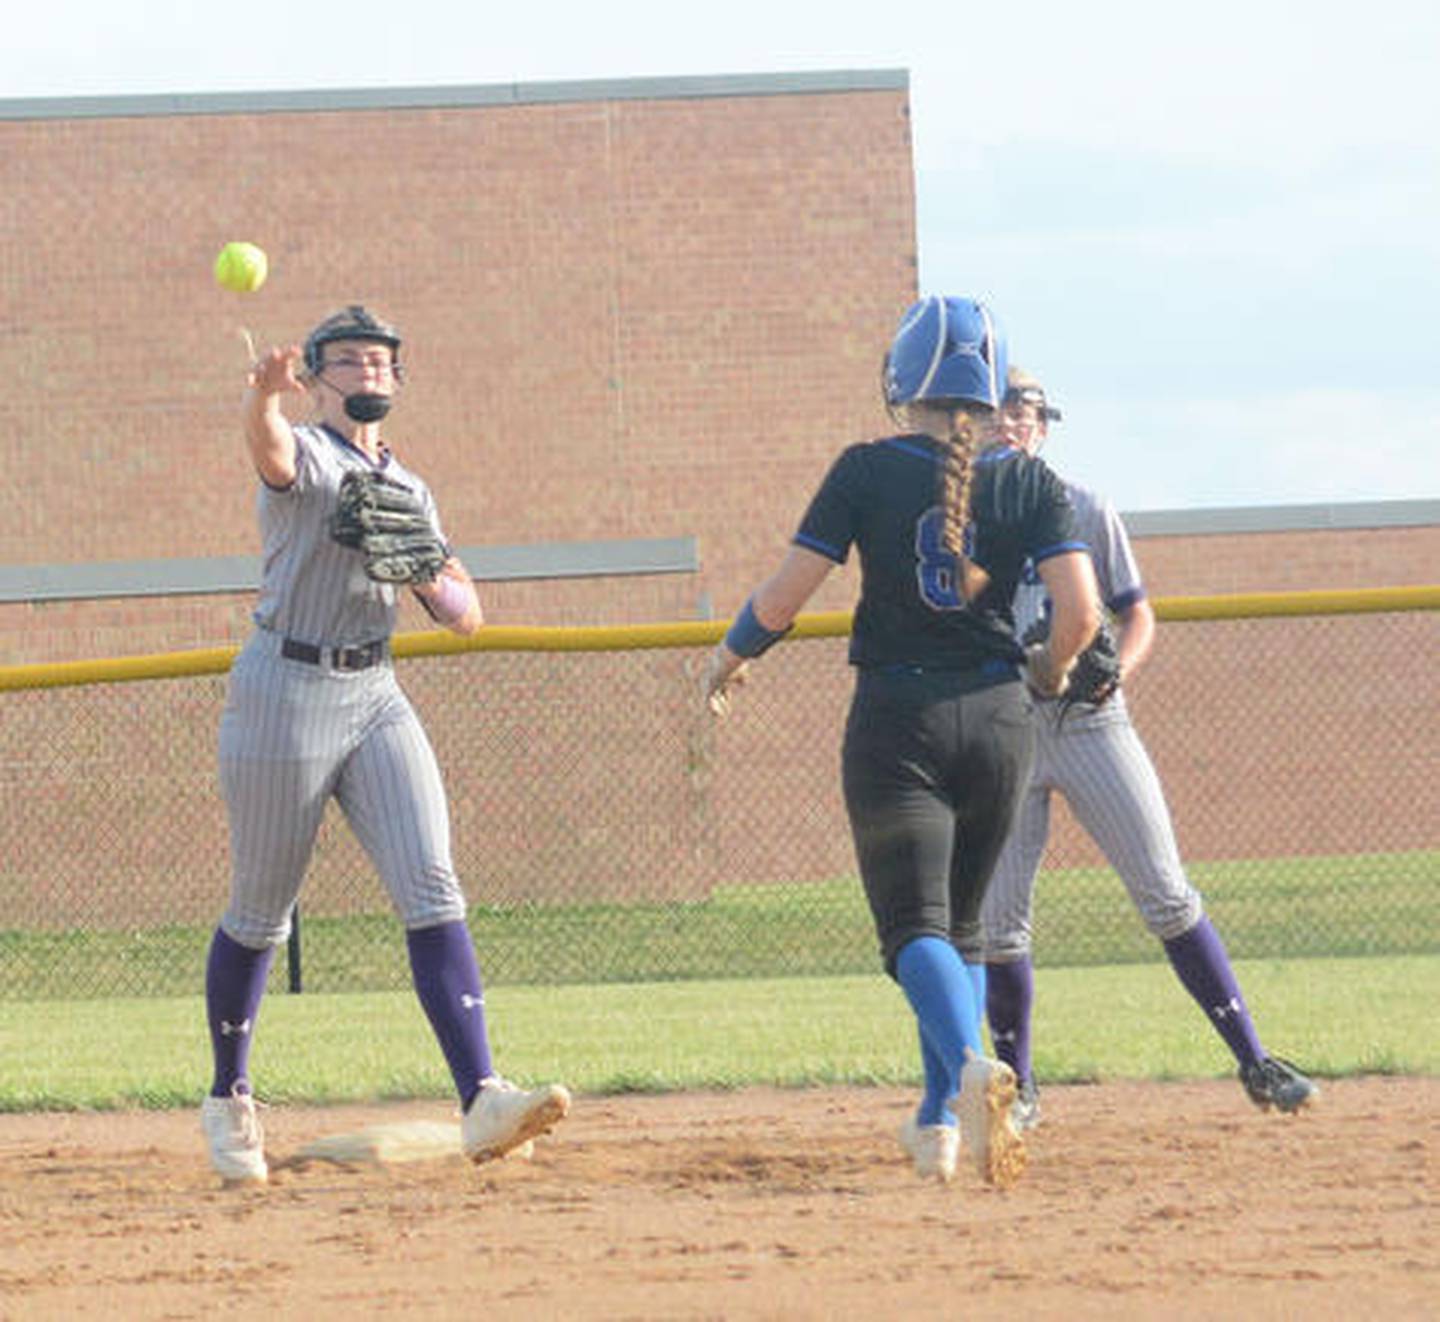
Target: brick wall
<point>1209,563</point>
<point>624,318</point>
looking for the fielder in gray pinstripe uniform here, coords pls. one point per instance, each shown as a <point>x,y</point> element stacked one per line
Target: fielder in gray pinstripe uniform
<point>1096,760</point>
<point>314,712</point>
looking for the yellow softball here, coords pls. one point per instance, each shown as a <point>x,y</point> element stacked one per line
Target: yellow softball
<point>241,267</point>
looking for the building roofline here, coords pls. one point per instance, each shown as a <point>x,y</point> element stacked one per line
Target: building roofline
<point>1284,518</point>
<point>332,99</point>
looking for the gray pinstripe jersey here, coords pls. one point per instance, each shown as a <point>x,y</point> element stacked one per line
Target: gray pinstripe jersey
<point>312,588</point>
<point>1099,526</point>
<point>295,735</point>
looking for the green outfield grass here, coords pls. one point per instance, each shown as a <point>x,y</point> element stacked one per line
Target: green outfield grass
<point>1352,905</point>
<point>1336,1016</point>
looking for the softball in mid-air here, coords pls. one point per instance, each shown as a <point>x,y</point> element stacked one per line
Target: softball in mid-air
<point>241,267</point>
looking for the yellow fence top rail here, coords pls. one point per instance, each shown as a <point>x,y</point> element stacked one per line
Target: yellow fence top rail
<point>697,633</point>
<point>1258,605</point>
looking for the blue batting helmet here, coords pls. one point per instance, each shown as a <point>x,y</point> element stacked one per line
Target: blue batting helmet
<point>947,349</point>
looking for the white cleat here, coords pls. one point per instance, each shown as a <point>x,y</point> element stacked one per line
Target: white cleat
<point>935,1149</point>
<point>503,1118</point>
<point>237,1142</point>
<point>986,1108</point>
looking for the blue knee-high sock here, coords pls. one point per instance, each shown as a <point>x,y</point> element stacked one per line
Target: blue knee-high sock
<point>979,985</point>
<point>447,980</point>
<point>939,1087</point>
<point>234,985</point>
<point>938,987</point>
<point>1200,961</point>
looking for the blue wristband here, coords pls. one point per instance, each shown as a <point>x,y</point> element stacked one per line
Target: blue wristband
<point>748,637</point>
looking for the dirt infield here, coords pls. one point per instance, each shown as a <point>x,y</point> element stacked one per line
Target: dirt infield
<point>1174,1200</point>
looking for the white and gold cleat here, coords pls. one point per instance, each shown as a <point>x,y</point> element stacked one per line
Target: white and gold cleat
<point>986,1108</point>
<point>504,1118</point>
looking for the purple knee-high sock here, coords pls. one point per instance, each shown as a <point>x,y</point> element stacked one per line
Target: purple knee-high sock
<point>447,980</point>
<point>1203,967</point>
<point>1009,998</point>
<point>234,983</point>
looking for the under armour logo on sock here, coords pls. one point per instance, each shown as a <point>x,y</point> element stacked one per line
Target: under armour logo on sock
<point>1223,1012</point>
<point>227,1029</point>
<point>471,1002</point>
<point>1004,1035</point>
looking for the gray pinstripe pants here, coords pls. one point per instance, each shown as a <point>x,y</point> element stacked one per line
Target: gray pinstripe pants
<point>1099,764</point>
<point>293,735</point>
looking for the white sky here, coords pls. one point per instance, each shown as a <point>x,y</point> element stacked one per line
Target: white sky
<point>1212,229</point>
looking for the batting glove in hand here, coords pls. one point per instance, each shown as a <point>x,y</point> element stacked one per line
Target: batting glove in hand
<point>723,670</point>
<point>388,524</point>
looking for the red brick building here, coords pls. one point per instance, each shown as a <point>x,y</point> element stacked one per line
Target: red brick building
<point>649,309</point>
<point>643,310</point>
<point>635,310</point>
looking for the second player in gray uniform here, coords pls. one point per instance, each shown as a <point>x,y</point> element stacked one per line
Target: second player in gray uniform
<point>1095,759</point>
<point>314,712</point>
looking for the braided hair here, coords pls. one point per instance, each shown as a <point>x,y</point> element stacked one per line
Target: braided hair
<point>960,446</point>
<point>961,429</point>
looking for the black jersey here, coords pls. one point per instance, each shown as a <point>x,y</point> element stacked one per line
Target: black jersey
<point>883,497</point>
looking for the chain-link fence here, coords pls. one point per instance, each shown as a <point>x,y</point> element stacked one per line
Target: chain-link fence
<point>606,829</point>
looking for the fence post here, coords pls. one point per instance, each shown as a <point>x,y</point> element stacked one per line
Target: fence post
<point>293,949</point>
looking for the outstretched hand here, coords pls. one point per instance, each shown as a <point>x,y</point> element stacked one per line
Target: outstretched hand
<point>274,372</point>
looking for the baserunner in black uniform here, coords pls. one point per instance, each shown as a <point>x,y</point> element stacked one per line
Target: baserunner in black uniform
<point>940,739</point>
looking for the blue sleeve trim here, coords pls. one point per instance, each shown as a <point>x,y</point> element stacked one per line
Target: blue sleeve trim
<point>1060,548</point>
<point>910,448</point>
<point>1124,600</point>
<point>824,548</point>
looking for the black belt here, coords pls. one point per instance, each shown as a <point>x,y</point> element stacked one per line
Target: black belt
<point>340,658</point>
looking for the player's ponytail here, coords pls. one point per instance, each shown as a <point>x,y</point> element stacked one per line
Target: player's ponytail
<point>957,471</point>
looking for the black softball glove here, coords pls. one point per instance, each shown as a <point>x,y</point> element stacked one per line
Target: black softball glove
<point>388,524</point>
<point>1095,676</point>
